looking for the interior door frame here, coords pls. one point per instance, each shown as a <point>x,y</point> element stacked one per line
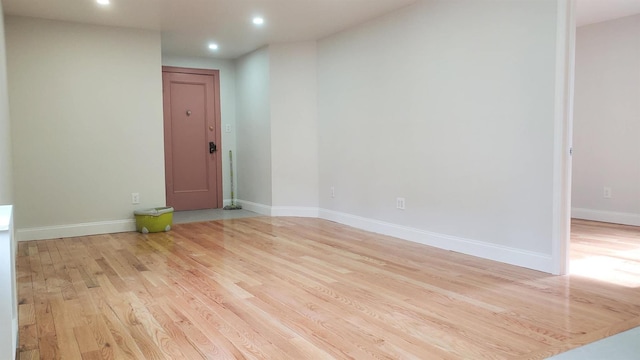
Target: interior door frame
<point>563,136</point>
<point>215,74</point>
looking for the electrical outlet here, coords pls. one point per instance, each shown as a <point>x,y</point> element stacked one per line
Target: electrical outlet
<point>400,203</point>
<point>135,198</point>
<point>607,192</point>
<point>333,192</point>
<point>227,128</point>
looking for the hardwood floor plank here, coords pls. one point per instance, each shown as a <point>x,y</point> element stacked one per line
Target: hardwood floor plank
<point>29,355</point>
<point>312,328</point>
<point>245,339</point>
<point>44,318</point>
<point>196,314</point>
<point>188,337</point>
<point>275,333</point>
<point>26,314</point>
<point>64,324</point>
<point>84,337</point>
<point>28,338</point>
<point>48,348</point>
<point>125,341</point>
<point>164,333</point>
<point>92,355</point>
<point>104,341</point>
<point>294,288</point>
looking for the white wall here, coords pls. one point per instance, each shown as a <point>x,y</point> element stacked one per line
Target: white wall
<point>8,300</point>
<point>607,122</point>
<point>86,110</point>
<point>253,122</point>
<point>6,170</point>
<point>450,105</point>
<point>227,104</point>
<point>294,134</point>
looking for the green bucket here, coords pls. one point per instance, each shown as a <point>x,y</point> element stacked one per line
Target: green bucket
<point>154,220</point>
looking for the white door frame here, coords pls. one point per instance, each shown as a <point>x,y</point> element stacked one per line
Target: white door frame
<point>563,134</point>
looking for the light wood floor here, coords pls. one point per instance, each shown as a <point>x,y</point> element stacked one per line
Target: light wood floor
<point>288,288</point>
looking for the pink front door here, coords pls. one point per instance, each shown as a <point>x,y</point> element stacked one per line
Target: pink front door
<point>192,138</point>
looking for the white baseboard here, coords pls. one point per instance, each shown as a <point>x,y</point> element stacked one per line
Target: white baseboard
<point>606,216</point>
<point>15,335</point>
<point>296,211</point>
<point>61,231</point>
<point>523,258</point>
<point>527,259</point>
<point>255,207</point>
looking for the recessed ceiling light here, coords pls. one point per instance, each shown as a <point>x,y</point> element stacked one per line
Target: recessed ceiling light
<point>213,46</point>
<point>103,2</point>
<point>258,20</point>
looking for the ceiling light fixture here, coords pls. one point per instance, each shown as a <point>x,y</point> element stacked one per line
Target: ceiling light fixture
<point>258,20</point>
<point>213,46</point>
<point>103,2</point>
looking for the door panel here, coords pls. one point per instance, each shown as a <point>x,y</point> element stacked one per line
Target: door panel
<point>190,165</point>
<point>191,121</point>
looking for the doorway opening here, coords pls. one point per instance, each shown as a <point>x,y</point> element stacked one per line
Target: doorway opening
<point>605,236</point>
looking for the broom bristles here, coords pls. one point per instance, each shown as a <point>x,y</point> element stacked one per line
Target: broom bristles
<point>233,207</point>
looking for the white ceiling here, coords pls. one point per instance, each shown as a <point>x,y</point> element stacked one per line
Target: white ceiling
<point>593,11</point>
<point>187,26</point>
